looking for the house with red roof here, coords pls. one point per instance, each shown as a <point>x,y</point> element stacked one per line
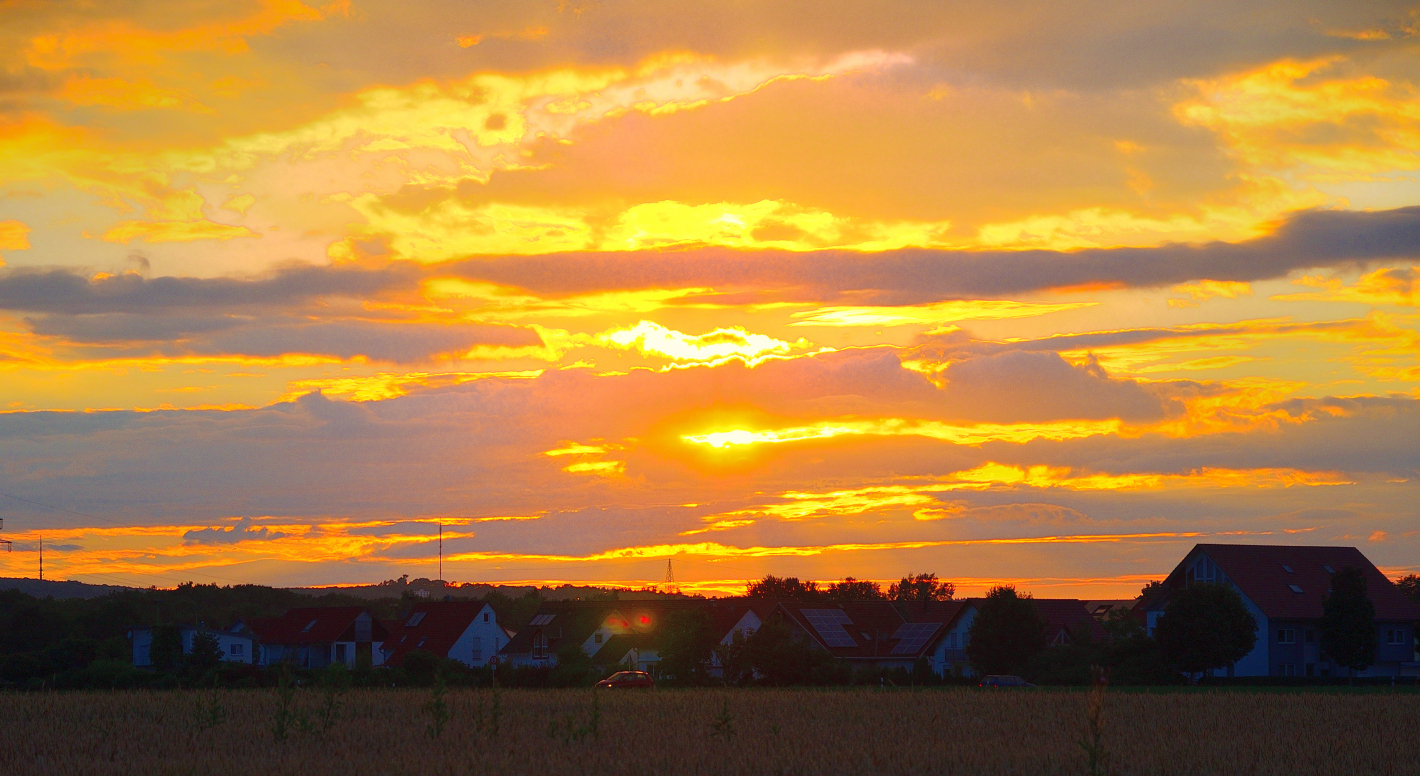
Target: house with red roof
<point>315,637</point>
<point>1285,588</point>
<point>466,631</point>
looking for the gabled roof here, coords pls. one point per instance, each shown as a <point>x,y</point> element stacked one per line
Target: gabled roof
<point>1070,615</point>
<point>313,625</point>
<point>615,648</point>
<point>1260,572</point>
<point>441,625</point>
<point>851,631</point>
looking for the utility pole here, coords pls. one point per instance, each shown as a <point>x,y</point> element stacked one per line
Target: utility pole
<point>41,558</point>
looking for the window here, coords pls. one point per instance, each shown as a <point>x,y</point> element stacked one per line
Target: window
<point>340,653</point>
<point>1311,669</point>
<point>477,652</point>
<point>1295,589</point>
<point>1311,637</point>
<point>414,619</point>
<point>539,645</point>
<point>1286,669</point>
<point>1286,635</point>
<point>1287,569</point>
<point>236,650</point>
<point>1328,569</point>
<point>309,625</point>
<point>1395,636</point>
<point>596,638</point>
<point>485,616</point>
<point>1203,571</point>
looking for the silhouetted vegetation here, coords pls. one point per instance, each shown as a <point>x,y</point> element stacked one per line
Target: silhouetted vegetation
<point>1205,626</point>
<point>1348,621</point>
<point>1006,634</point>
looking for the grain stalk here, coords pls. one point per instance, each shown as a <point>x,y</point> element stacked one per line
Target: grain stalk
<point>1092,741</point>
<point>438,708</point>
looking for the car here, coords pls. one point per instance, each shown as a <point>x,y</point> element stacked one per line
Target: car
<point>1003,680</point>
<point>625,680</point>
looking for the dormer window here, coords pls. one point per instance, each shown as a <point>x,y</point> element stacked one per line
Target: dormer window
<point>308,627</point>
<point>1328,569</point>
<point>1295,589</point>
<point>1287,569</point>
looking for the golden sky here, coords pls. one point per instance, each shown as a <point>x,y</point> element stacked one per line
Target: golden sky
<point>1016,291</point>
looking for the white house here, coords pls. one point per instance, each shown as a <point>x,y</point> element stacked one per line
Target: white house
<point>466,631</point>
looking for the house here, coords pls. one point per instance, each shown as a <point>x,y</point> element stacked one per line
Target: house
<point>611,633</point>
<point>466,631</point>
<point>1284,587</point>
<point>881,634</point>
<point>234,647</point>
<point>1102,609</point>
<point>315,637</point>
<point>1067,621</point>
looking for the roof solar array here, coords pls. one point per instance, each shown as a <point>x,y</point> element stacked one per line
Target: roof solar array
<point>542,619</point>
<point>415,619</point>
<point>829,624</point>
<point>913,637</point>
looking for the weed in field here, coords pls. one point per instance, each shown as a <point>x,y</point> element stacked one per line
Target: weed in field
<point>570,732</point>
<point>211,713</point>
<point>724,724</point>
<point>438,709</point>
<point>284,717</point>
<point>1093,739</point>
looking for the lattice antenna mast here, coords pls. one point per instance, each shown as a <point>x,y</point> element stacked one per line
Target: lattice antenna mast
<point>670,586</point>
<point>441,551</point>
<point>5,542</point>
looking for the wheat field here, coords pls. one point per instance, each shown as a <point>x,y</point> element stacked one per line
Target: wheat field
<point>957,731</point>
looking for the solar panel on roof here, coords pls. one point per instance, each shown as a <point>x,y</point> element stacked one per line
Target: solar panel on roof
<point>415,620</point>
<point>542,619</point>
<point>913,637</point>
<point>1295,589</point>
<point>829,624</point>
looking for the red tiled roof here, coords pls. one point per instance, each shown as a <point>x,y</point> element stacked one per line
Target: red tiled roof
<point>437,631</point>
<point>1260,572</point>
<point>312,625</point>
<point>1068,614</point>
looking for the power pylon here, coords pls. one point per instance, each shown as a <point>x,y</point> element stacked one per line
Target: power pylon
<point>670,586</point>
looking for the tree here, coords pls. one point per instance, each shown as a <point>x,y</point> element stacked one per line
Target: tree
<point>685,643</point>
<point>1204,627</point>
<point>421,667</point>
<point>1006,633</point>
<point>783,589</point>
<point>772,652</point>
<point>165,652</point>
<point>574,667</point>
<point>1150,590</point>
<point>206,651</point>
<point>921,587</point>
<point>851,589</point>
<point>1410,586</point>
<point>1348,621</point>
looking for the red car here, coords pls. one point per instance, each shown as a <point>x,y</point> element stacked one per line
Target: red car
<point>624,680</point>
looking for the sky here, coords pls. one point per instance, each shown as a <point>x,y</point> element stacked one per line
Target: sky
<point>1024,292</point>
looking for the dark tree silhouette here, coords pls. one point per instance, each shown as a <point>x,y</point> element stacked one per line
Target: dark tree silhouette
<point>1204,627</point>
<point>1007,632</point>
<point>921,587</point>
<point>206,651</point>
<point>685,644</point>
<point>1410,586</point>
<point>165,653</point>
<point>1150,590</point>
<point>784,589</point>
<point>1348,621</point>
<point>851,589</point>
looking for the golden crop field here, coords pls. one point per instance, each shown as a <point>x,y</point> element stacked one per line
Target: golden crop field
<point>957,731</point>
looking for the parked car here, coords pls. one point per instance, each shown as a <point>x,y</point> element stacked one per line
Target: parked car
<point>1002,680</point>
<point>623,680</point>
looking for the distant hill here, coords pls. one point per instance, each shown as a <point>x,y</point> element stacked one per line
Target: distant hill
<point>50,589</point>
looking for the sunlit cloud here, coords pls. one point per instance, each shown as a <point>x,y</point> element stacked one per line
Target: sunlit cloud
<point>974,434</point>
<point>653,339</point>
<point>939,313</point>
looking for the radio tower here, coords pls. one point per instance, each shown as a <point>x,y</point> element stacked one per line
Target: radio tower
<point>5,542</point>
<point>670,586</point>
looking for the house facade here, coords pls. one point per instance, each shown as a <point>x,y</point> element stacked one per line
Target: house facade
<point>1285,588</point>
<point>234,647</point>
<point>466,631</point>
<point>315,637</point>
